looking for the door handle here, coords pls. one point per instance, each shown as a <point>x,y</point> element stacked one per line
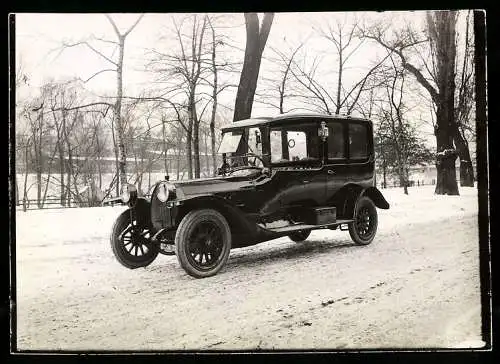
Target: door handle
<point>330,171</point>
<point>305,181</point>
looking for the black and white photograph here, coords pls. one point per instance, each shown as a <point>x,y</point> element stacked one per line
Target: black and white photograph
<point>249,182</point>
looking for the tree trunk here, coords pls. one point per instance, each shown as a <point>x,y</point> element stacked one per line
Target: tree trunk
<point>61,174</point>
<point>446,182</point>
<point>39,180</point>
<point>339,80</point>
<point>164,148</point>
<point>189,151</point>
<point>214,103</point>
<point>384,173</point>
<point>442,31</point>
<point>118,116</point>
<point>466,169</point>
<point>99,168</point>
<point>207,161</point>
<point>255,43</point>
<point>212,142</point>
<point>196,148</point>
<point>178,163</point>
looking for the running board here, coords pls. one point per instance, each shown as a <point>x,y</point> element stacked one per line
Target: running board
<point>297,227</point>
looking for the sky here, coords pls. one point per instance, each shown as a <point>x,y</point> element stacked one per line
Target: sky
<point>39,38</point>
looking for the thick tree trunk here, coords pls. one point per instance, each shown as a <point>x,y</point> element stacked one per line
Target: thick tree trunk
<point>255,43</point>
<point>466,168</point>
<point>442,31</point>
<point>446,182</point>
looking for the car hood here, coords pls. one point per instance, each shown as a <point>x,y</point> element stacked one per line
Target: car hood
<point>211,185</point>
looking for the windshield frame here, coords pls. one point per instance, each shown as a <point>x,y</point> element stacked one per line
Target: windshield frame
<point>230,161</point>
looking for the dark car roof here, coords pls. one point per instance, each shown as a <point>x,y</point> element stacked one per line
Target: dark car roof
<point>283,118</point>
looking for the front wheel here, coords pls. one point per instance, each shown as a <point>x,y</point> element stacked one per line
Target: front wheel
<point>203,242</point>
<point>364,227</point>
<point>131,243</point>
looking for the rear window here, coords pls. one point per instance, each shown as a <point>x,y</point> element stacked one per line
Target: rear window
<point>358,141</point>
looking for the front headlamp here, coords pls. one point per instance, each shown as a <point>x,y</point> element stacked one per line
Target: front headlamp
<point>164,191</point>
<point>128,191</point>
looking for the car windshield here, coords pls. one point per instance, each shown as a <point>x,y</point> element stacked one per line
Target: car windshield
<point>230,142</point>
<point>236,164</point>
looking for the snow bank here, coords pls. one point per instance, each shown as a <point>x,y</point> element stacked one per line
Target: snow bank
<point>421,205</point>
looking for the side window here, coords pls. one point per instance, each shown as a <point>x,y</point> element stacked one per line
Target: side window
<point>299,143</point>
<point>336,148</point>
<point>358,141</point>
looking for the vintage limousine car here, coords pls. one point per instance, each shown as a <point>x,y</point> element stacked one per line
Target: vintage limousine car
<point>297,173</point>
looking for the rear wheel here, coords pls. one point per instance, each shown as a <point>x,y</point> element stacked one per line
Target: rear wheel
<point>364,227</point>
<point>131,243</point>
<point>203,242</point>
<point>300,235</point>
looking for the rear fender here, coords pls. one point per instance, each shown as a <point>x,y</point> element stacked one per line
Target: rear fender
<point>376,196</point>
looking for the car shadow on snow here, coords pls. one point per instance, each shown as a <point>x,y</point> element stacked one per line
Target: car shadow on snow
<point>254,256</point>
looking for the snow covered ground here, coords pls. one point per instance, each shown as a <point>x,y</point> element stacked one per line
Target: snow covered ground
<point>415,286</point>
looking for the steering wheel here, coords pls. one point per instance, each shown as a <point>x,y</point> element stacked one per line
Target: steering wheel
<point>255,157</point>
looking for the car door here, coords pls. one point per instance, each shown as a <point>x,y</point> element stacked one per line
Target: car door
<point>297,166</point>
<point>336,161</point>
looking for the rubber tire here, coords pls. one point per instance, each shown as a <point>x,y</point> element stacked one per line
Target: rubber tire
<point>185,228</point>
<point>121,254</point>
<point>364,202</point>
<point>300,235</point>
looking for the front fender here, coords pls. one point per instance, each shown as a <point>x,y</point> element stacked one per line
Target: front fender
<point>240,224</point>
<point>142,211</point>
<point>376,196</point>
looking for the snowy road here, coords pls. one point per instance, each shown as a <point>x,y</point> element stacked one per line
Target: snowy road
<point>416,285</point>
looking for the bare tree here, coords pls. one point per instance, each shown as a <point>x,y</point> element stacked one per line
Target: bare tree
<point>183,73</point>
<point>342,98</point>
<point>279,86</point>
<point>396,139</point>
<point>441,29</point>
<point>116,66</point>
